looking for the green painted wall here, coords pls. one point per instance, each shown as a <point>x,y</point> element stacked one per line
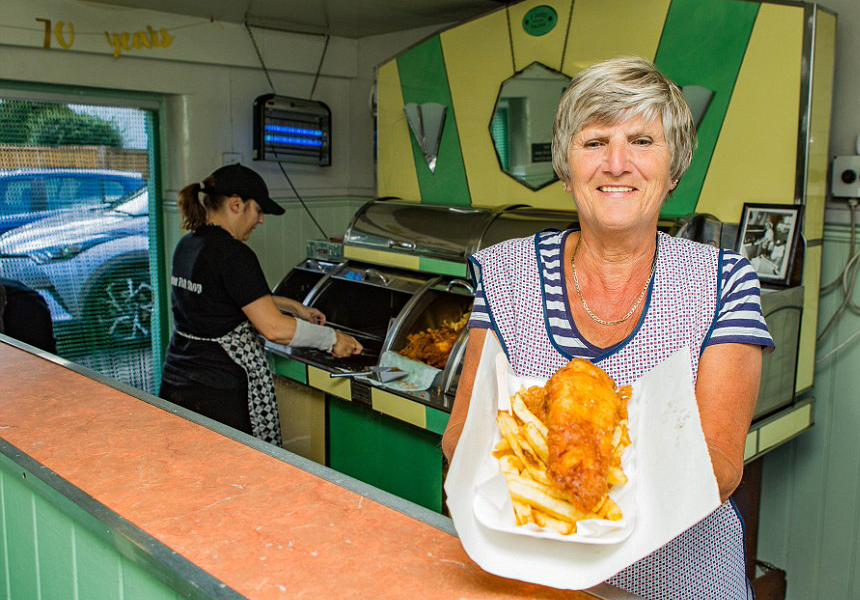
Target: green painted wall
<point>50,549</point>
<point>703,44</point>
<point>384,452</point>
<point>810,505</point>
<point>423,78</point>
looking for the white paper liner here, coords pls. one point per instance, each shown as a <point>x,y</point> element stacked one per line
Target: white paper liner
<point>675,484</point>
<point>494,509</point>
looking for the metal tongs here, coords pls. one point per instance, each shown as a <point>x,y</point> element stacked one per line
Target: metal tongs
<point>383,374</point>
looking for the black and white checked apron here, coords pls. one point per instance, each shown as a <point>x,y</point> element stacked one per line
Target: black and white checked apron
<point>243,347</point>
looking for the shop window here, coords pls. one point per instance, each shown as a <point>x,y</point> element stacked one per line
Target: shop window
<point>77,199</point>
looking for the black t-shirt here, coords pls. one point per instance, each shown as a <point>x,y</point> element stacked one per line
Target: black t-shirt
<point>214,276</point>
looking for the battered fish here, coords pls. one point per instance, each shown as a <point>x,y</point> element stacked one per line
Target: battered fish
<point>584,410</point>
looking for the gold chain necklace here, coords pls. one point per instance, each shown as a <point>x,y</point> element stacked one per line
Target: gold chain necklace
<point>635,304</point>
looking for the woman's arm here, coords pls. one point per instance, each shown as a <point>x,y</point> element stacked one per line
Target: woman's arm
<point>464,391</point>
<point>308,313</point>
<point>280,328</point>
<point>726,391</point>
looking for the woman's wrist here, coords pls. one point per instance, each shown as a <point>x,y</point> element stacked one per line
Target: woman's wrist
<point>309,335</point>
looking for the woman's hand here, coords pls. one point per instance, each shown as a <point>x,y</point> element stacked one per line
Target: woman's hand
<point>297,309</point>
<point>345,345</point>
<point>310,314</point>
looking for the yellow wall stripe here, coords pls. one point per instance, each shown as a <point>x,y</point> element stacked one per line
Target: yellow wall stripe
<point>381,257</point>
<point>606,28</point>
<point>757,146</point>
<point>809,321</point>
<point>751,445</point>
<point>784,427</point>
<point>399,407</point>
<point>338,386</point>
<point>395,170</point>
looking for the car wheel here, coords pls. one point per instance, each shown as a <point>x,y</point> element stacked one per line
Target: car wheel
<point>121,306</point>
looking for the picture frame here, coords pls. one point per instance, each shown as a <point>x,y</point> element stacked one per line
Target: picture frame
<point>768,237</point>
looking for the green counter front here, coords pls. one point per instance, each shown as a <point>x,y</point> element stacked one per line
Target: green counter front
<point>381,438</point>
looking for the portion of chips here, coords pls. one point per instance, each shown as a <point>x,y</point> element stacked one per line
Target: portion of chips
<point>522,453</point>
<point>433,345</point>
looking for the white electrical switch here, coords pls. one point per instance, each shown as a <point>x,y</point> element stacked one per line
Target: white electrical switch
<point>846,177</point>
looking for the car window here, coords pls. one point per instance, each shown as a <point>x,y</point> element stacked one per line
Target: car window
<point>66,192</point>
<point>113,189</point>
<point>15,196</point>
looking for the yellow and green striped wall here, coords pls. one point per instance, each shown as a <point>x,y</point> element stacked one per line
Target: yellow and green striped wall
<point>763,139</point>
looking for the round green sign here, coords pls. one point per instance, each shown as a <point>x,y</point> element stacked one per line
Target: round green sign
<point>540,20</point>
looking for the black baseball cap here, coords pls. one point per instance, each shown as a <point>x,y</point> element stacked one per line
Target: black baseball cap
<point>239,180</point>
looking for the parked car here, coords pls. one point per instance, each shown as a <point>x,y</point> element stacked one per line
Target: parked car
<point>91,264</point>
<point>27,195</point>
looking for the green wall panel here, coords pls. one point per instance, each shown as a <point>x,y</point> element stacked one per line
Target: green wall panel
<point>424,78</point>
<point>810,506</point>
<point>437,420</point>
<point>20,539</point>
<point>54,536</point>
<point>98,567</point>
<point>4,548</point>
<point>138,584</point>
<point>53,548</point>
<point>290,368</point>
<point>703,43</point>
<point>444,267</point>
<point>384,452</point>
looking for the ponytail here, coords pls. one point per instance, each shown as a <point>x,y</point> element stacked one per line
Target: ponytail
<point>193,208</point>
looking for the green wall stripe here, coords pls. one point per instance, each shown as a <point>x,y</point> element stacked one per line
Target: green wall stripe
<point>703,43</point>
<point>437,420</point>
<point>424,78</point>
<point>443,267</point>
<point>289,367</point>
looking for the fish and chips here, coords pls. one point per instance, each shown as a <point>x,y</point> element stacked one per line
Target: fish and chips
<point>561,448</point>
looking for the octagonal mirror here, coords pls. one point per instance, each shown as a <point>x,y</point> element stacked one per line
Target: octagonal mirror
<point>521,127</point>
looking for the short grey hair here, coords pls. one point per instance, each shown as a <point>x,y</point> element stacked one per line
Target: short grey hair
<point>615,90</point>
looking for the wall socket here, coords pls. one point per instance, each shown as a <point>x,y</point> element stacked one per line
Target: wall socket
<point>845,181</point>
<point>231,158</point>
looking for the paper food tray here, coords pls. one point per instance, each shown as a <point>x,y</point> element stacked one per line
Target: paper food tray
<point>493,507</point>
<point>671,482</point>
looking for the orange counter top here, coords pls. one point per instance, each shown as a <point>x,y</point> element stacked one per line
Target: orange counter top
<point>248,516</point>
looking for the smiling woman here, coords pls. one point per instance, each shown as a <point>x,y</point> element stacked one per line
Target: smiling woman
<point>626,297</point>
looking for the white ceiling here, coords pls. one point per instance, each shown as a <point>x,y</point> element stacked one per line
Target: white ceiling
<point>344,18</point>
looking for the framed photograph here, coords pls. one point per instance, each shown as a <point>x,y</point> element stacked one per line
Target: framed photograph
<point>768,237</point>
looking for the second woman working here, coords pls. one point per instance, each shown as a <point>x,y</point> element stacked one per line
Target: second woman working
<point>215,364</point>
